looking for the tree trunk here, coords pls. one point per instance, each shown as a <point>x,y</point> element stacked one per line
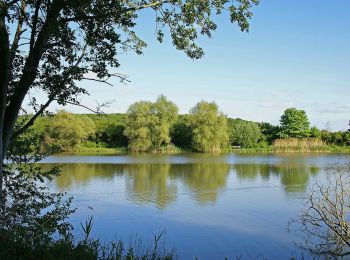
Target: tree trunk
<point>4,70</point>
<point>30,70</point>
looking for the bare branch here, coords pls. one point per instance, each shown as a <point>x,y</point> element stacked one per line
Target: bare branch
<point>32,119</point>
<point>35,22</point>
<point>325,219</point>
<point>97,110</point>
<point>99,80</point>
<point>19,31</point>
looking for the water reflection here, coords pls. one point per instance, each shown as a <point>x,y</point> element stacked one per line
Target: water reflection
<point>150,183</point>
<point>159,184</point>
<point>82,174</point>
<point>203,180</point>
<point>294,176</point>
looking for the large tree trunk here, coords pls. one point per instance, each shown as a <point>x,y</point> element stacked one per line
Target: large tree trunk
<point>4,72</point>
<point>9,108</point>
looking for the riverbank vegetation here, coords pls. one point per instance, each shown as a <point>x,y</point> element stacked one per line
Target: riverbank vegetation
<point>157,127</point>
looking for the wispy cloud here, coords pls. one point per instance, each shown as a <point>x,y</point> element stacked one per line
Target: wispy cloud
<point>337,109</point>
<point>266,104</point>
<point>279,93</point>
<point>286,93</point>
<point>275,104</point>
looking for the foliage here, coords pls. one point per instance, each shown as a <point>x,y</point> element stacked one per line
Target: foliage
<point>166,114</point>
<point>109,135</point>
<point>244,133</point>
<point>336,138</point>
<point>269,132</point>
<point>67,131</point>
<point>315,132</point>
<point>209,127</point>
<point>30,214</point>
<point>181,132</point>
<point>109,130</point>
<point>148,124</point>
<point>294,123</point>
<point>84,249</point>
<point>139,122</point>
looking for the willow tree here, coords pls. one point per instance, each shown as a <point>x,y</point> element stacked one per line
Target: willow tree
<point>166,113</point>
<point>50,45</point>
<point>140,121</point>
<point>209,127</point>
<point>148,124</point>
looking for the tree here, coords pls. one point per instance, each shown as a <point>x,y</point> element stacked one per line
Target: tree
<point>66,131</point>
<point>209,127</point>
<point>50,45</point>
<point>315,132</point>
<point>181,132</point>
<point>109,130</point>
<point>294,123</point>
<point>140,121</point>
<point>244,133</point>
<point>269,132</point>
<point>148,124</point>
<point>166,113</point>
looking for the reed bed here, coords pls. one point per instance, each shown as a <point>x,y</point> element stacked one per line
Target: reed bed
<point>300,145</point>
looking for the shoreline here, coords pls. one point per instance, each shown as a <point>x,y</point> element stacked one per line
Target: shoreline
<point>269,150</point>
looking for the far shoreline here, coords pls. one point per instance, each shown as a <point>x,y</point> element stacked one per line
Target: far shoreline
<point>269,150</point>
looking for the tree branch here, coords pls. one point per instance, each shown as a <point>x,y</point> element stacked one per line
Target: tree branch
<point>35,21</point>
<point>99,80</point>
<point>32,119</point>
<point>19,32</point>
<point>133,8</point>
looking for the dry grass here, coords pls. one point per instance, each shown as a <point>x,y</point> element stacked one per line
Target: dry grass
<point>300,145</point>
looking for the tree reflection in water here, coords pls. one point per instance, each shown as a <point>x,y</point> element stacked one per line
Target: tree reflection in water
<point>159,183</point>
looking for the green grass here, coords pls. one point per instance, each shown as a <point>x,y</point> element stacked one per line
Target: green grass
<point>97,150</point>
<point>85,249</point>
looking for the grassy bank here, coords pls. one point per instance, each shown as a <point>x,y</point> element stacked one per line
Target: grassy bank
<point>97,150</point>
<point>170,149</point>
<point>176,150</point>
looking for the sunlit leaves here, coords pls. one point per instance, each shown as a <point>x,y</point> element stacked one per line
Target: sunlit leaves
<point>148,124</point>
<point>209,128</point>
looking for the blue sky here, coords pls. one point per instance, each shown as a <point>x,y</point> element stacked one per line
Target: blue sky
<point>297,53</point>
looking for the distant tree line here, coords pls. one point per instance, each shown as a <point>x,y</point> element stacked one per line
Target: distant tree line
<point>157,126</point>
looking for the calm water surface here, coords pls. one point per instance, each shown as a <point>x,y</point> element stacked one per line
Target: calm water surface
<point>211,206</point>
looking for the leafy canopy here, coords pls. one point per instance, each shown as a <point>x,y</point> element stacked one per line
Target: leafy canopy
<point>148,124</point>
<point>294,123</point>
<point>209,127</point>
<point>67,131</point>
<point>244,133</point>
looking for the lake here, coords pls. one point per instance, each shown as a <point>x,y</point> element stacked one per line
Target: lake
<point>211,206</point>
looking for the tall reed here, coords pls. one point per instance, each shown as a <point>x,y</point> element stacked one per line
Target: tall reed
<point>300,145</point>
